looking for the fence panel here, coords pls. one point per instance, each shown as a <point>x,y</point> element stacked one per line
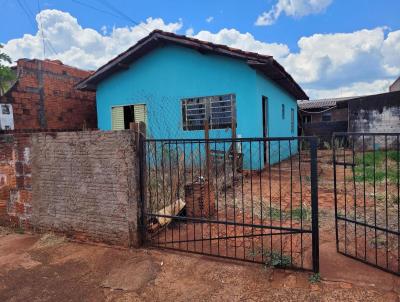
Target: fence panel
<point>247,199</point>
<point>367,207</point>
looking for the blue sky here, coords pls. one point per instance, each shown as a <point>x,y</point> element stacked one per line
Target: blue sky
<point>331,47</point>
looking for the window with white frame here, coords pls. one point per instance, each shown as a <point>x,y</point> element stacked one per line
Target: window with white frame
<point>218,110</point>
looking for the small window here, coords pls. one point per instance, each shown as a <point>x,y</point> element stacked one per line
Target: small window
<point>5,109</point>
<point>283,111</point>
<point>292,120</point>
<point>326,116</point>
<point>218,110</point>
<point>122,116</point>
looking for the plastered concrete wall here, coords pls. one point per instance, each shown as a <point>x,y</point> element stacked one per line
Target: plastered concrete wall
<point>85,185</point>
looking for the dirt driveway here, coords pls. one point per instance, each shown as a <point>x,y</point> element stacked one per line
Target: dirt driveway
<point>48,268</point>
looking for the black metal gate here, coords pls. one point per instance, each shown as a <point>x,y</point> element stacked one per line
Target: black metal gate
<point>218,197</point>
<point>367,199</point>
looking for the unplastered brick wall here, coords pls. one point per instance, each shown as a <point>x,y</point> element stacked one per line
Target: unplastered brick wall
<point>15,180</point>
<point>85,185</point>
<point>44,97</point>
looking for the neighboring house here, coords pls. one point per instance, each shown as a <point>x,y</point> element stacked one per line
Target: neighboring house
<point>395,86</point>
<point>167,81</point>
<point>370,113</point>
<point>43,96</point>
<point>323,117</point>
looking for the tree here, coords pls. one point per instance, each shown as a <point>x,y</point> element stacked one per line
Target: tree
<point>6,74</point>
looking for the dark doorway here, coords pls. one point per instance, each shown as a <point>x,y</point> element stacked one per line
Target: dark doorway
<point>129,116</point>
<point>265,126</point>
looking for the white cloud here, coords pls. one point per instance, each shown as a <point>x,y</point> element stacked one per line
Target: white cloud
<point>332,60</point>
<point>338,64</point>
<point>103,30</point>
<point>293,8</point>
<point>210,19</point>
<point>78,46</point>
<point>355,89</point>
<point>244,41</point>
<point>189,31</point>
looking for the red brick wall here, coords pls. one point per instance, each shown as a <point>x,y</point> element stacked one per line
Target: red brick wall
<point>44,97</point>
<point>15,179</point>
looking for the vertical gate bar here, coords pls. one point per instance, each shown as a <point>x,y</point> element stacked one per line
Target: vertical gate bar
<point>280,197</point>
<point>156,182</point>
<point>148,170</point>
<point>398,203</point>
<point>184,193</point>
<point>163,185</point>
<point>386,203</point>
<point>194,223</point>
<point>301,210</point>
<point>252,200</point>
<point>216,193</point>
<point>243,209</point>
<point>374,163</point>
<point>234,192</point>
<point>365,204</point>
<point>209,167</point>
<point>201,208</point>
<point>345,142</point>
<point>314,204</point>
<point>334,137</point>
<point>261,201</point>
<point>353,169</point>
<point>291,202</point>
<point>171,185</point>
<point>178,188</point>
<point>226,210</point>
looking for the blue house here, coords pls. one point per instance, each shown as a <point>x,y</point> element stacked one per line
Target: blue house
<point>169,81</point>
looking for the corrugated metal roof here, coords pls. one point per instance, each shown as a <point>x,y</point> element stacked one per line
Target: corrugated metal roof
<point>322,103</point>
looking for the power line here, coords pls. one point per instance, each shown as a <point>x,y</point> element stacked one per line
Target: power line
<point>42,33</point>
<point>41,30</point>
<point>95,8</point>
<point>27,14</point>
<point>31,17</point>
<point>118,14</point>
<point>106,3</point>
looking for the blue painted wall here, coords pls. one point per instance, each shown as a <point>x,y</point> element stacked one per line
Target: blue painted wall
<point>168,74</point>
<point>277,125</point>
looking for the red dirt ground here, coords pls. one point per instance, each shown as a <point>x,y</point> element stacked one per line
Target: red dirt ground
<point>35,268</point>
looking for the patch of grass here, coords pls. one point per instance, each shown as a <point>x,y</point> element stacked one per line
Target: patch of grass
<point>315,278</point>
<point>297,214</point>
<point>371,166</point>
<point>275,259</point>
<point>19,230</point>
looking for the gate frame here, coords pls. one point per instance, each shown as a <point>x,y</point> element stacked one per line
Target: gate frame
<point>313,141</point>
<point>356,222</point>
